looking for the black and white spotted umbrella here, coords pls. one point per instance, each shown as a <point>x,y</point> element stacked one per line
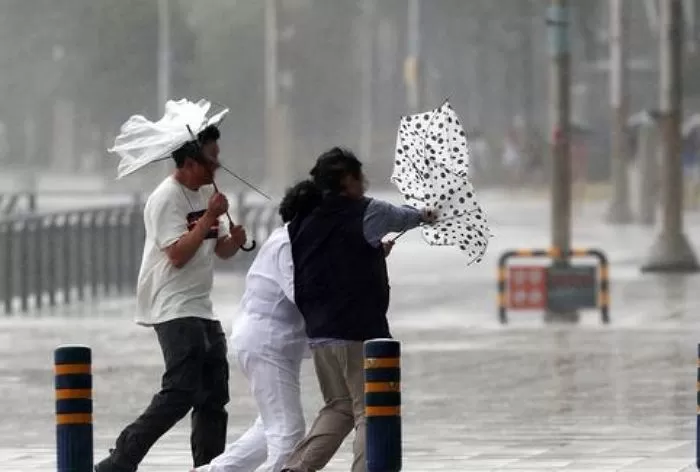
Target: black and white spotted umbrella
<point>431,170</point>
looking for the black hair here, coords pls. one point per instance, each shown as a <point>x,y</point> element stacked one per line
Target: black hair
<point>191,149</point>
<point>208,134</point>
<point>299,200</point>
<point>332,167</point>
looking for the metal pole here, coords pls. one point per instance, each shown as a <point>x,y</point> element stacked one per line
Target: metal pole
<point>558,18</point>
<point>413,79</point>
<point>272,131</point>
<point>527,68</point>
<point>697,420</point>
<point>620,211</point>
<point>689,19</point>
<point>651,10</point>
<point>367,76</point>
<point>647,150</point>
<point>671,252</point>
<point>163,53</point>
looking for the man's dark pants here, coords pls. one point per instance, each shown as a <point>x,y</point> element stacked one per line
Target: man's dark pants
<point>196,377</point>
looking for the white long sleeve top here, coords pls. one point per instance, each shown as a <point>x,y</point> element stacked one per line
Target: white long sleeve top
<point>269,321</point>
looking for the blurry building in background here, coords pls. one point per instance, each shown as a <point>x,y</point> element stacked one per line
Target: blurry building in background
<point>65,90</point>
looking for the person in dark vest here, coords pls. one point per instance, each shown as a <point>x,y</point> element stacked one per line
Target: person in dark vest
<point>341,287</point>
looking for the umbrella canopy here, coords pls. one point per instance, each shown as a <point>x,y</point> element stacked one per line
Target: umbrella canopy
<point>431,171</point>
<point>141,142</point>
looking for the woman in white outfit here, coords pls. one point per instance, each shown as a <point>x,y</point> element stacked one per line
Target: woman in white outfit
<point>269,343</point>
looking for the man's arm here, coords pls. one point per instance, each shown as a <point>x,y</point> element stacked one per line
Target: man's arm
<point>170,228</point>
<point>230,240</point>
<point>182,250</point>
<point>382,218</point>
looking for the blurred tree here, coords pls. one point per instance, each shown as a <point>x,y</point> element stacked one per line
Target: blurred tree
<point>119,44</point>
<point>30,33</point>
<point>99,55</point>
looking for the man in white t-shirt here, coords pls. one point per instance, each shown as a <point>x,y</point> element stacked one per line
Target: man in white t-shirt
<point>185,228</point>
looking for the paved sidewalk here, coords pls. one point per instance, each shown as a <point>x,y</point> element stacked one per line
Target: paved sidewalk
<point>545,398</point>
<point>477,396</point>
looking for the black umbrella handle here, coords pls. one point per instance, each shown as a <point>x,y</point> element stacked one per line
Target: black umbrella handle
<point>252,246</point>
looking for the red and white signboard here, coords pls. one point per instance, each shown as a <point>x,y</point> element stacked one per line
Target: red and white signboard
<point>527,288</point>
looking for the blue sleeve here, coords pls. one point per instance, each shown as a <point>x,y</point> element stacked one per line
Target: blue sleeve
<point>382,218</point>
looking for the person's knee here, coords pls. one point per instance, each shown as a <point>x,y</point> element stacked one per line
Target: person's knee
<point>360,423</point>
<point>335,418</point>
<point>177,400</point>
<point>286,435</point>
<point>217,396</point>
<point>214,399</point>
<point>282,445</point>
<point>340,405</point>
<point>295,432</point>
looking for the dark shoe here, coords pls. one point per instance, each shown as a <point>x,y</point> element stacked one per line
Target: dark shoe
<point>107,465</point>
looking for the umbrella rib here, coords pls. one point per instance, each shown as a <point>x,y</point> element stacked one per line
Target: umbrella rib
<point>231,172</point>
<point>425,140</point>
<point>415,167</point>
<point>413,164</point>
<point>430,123</point>
<point>253,187</point>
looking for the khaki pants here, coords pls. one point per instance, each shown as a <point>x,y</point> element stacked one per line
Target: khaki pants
<point>340,372</point>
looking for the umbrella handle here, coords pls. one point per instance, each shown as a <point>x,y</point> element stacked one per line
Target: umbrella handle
<point>252,246</point>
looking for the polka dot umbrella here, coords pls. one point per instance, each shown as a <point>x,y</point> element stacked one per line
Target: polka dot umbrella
<point>431,171</point>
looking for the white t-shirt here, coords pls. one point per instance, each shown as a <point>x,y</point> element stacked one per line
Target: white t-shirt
<point>269,322</point>
<point>165,292</point>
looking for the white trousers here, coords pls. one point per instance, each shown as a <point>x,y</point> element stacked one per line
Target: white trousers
<point>265,447</point>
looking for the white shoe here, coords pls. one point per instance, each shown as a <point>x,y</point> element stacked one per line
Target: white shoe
<point>201,468</point>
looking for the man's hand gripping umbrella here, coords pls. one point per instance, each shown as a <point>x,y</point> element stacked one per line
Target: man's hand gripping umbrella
<point>211,165</point>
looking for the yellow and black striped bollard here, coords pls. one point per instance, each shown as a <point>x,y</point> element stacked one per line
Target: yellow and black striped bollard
<point>697,411</point>
<point>73,379</point>
<point>604,285</point>
<point>383,405</point>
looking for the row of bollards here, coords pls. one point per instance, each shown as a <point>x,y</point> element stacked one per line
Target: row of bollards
<point>74,431</point>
